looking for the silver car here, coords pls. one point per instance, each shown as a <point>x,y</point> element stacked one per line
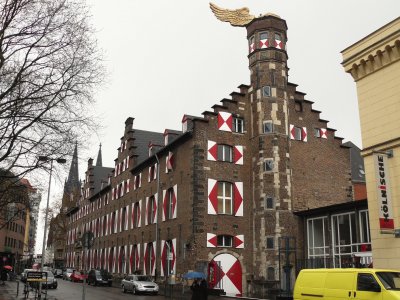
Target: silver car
<point>139,284</point>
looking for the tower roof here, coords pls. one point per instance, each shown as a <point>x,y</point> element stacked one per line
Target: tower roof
<point>73,181</point>
<point>99,161</point>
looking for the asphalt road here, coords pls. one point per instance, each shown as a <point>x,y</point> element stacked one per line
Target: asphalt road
<point>72,291</point>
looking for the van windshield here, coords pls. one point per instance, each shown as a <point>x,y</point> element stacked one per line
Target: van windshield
<point>390,280</point>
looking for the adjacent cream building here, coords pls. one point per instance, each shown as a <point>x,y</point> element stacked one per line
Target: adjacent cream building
<point>374,63</point>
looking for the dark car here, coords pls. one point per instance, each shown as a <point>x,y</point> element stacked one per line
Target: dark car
<point>99,277</point>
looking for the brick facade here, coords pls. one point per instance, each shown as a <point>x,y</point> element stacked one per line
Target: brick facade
<point>271,173</point>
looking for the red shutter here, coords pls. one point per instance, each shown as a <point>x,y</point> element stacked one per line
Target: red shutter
<point>238,155</point>
<point>238,199</point>
<point>323,133</point>
<point>238,241</point>
<point>164,206</point>
<point>212,148</point>
<point>292,132</point>
<point>212,196</point>
<point>304,134</point>
<point>211,240</point>
<point>174,201</point>
<point>224,121</point>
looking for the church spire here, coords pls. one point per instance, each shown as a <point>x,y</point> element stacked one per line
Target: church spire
<point>73,181</point>
<point>99,161</point>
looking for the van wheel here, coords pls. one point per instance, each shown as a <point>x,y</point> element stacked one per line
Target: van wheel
<point>134,290</point>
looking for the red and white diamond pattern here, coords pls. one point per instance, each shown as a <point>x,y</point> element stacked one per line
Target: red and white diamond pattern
<point>323,133</point>
<point>225,121</point>
<point>264,44</point>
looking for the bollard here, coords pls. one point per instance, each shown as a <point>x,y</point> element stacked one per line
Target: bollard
<point>17,288</point>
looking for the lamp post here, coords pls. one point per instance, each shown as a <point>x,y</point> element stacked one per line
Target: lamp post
<point>60,161</point>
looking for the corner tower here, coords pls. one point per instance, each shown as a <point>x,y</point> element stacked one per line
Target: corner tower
<point>268,99</point>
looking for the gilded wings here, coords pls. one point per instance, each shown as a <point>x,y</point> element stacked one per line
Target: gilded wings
<point>237,17</point>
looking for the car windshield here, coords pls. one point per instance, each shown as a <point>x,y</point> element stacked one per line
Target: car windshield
<point>143,278</point>
<point>77,273</point>
<point>70,270</point>
<point>390,280</point>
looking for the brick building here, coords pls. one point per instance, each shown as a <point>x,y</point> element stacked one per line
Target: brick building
<point>220,195</point>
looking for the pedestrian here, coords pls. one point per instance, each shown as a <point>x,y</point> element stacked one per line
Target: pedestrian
<point>196,290</point>
<point>3,276</point>
<point>204,289</point>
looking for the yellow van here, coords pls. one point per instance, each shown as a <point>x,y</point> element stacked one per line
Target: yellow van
<point>334,284</point>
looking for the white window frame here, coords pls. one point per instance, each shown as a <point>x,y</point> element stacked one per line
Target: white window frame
<point>224,198</point>
<point>226,149</point>
<point>238,124</point>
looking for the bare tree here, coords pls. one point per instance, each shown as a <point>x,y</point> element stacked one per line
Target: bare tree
<point>49,67</point>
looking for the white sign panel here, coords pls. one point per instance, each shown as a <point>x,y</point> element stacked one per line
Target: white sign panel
<point>385,208</point>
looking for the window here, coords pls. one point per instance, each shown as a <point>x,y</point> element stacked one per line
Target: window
<point>151,207</point>
<point>317,132</point>
<point>366,282</point>
<point>225,197</point>
<point>298,106</point>
<point>225,153</point>
<point>266,91</point>
<point>318,234</point>
<point>269,202</point>
<point>169,262</point>
<point>364,227</point>
<point>149,258</point>
<point>134,258</point>
<point>113,220</point>
<point>263,35</point>
<point>251,44</point>
<point>224,241</point>
<point>268,127</point>
<point>152,173</point>
<point>268,165</point>
<point>271,273</point>
<point>270,243</point>
<point>136,215</point>
<point>137,181</point>
<point>298,133</point>
<point>238,125</point>
<point>123,219</point>
<point>170,204</point>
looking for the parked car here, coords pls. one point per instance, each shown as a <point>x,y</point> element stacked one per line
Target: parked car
<point>139,284</point>
<point>67,273</point>
<point>99,277</point>
<point>51,282</point>
<point>77,276</point>
<point>58,273</point>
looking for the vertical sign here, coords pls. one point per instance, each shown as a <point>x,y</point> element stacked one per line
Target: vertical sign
<point>386,221</point>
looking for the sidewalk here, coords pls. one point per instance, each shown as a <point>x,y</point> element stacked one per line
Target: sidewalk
<point>9,292</point>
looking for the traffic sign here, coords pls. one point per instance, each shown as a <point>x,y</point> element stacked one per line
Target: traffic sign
<point>36,276</point>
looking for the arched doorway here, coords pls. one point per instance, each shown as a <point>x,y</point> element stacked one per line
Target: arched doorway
<point>225,272</point>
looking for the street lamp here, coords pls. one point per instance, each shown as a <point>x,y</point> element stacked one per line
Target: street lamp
<point>60,161</point>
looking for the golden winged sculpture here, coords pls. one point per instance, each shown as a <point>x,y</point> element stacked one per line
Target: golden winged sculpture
<point>237,17</point>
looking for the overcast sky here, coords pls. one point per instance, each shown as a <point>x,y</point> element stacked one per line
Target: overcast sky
<point>170,58</point>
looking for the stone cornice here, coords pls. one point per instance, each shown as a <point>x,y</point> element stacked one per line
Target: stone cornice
<point>376,51</point>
